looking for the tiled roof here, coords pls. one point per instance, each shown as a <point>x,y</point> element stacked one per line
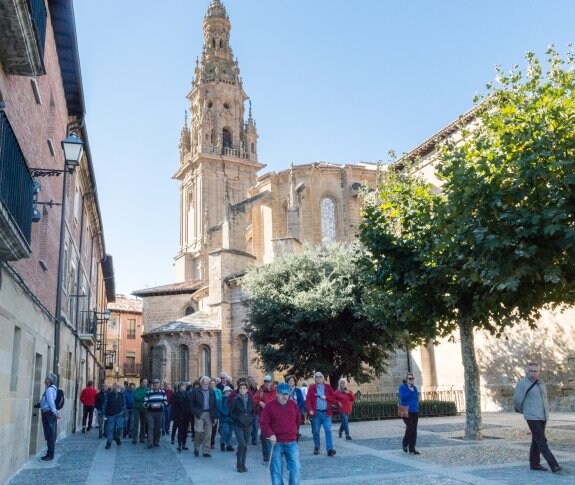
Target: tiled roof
<point>173,289</point>
<point>196,322</point>
<point>125,304</point>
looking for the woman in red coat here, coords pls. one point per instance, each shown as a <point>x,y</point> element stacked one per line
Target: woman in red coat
<point>345,398</point>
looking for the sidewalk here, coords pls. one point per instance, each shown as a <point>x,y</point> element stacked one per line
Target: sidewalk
<point>373,457</point>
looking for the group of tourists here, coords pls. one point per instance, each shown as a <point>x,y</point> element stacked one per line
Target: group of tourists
<point>211,405</point>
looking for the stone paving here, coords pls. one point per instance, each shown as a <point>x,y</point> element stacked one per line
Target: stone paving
<point>374,456</point>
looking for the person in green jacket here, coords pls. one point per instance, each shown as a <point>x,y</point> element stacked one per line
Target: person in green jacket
<point>140,412</point>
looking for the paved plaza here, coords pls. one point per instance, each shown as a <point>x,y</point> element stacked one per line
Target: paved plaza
<point>373,457</point>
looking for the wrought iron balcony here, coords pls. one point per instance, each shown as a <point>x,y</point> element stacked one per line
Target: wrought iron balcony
<point>16,194</point>
<point>23,27</point>
<point>87,328</point>
<point>132,369</point>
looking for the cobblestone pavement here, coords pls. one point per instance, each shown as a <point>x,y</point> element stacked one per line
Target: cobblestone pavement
<point>374,456</point>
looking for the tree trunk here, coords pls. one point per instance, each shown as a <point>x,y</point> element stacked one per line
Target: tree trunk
<point>471,375</point>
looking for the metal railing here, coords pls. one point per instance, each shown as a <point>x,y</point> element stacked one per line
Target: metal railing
<point>16,185</point>
<point>132,369</point>
<point>456,396</point>
<point>39,15</point>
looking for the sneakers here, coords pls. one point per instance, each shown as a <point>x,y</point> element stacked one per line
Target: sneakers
<point>405,450</point>
<point>179,448</point>
<point>230,448</point>
<point>414,452</point>
<point>83,430</point>
<point>196,452</point>
<point>348,438</point>
<point>539,468</point>
<point>206,455</point>
<point>556,469</point>
<point>223,446</point>
<point>108,446</point>
<point>47,458</point>
<point>331,453</point>
<point>316,451</point>
<point>254,442</point>
<point>118,442</point>
<point>340,433</point>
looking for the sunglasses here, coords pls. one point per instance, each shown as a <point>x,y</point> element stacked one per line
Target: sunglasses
<point>411,378</point>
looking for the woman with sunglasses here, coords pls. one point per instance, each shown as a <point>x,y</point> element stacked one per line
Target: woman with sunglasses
<point>408,396</point>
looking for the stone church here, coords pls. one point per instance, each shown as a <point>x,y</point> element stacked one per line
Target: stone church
<point>232,219</point>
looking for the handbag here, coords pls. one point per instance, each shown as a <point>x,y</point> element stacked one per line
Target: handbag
<point>403,411</point>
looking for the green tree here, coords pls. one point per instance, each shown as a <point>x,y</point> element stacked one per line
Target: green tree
<point>305,313</point>
<point>498,244</point>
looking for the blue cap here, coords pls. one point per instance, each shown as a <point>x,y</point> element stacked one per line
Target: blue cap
<point>283,388</point>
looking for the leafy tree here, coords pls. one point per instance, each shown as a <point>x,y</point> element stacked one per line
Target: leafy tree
<point>305,313</point>
<point>498,244</point>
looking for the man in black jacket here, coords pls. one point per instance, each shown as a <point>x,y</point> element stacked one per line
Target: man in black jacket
<point>113,408</point>
<point>205,409</point>
<point>99,406</point>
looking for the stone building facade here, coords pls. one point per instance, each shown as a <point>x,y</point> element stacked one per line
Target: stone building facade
<point>502,361</point>
<point>49,324</point>
<point>232,219</point>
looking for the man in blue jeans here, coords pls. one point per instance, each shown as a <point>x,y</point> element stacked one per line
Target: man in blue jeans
<point>279,421</point>
<point>320,397</point>
<point>113,409</point>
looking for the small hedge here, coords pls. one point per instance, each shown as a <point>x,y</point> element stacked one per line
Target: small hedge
<point>375,410</point>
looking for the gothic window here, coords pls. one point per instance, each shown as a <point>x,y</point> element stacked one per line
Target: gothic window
<point>328,234</point>
<point>189,310</point>
<point>227,138</point>
<point>214,43</point>
<point>184,363</point>
<point>221,43</point>
<point>205,361</point>
<point>243,353</point>
<point>253,147</point>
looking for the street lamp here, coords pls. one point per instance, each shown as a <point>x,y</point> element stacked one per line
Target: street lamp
<point>73,148</point>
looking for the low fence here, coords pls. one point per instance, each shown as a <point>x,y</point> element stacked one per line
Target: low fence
<point>455,396</point>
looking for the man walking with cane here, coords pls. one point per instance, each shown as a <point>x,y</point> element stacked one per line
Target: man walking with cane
<point>279,423</point>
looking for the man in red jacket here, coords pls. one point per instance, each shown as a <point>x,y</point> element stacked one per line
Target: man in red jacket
<point>279,422</point>
<point>88,399</point>
<point>320,397</point>
<point>265,394</point>
<point>345,398</point>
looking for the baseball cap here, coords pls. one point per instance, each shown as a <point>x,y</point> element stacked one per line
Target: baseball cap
<point>227,388</point>
<point>268,378</point>
<point>156,381</point>
<point>283,388</point>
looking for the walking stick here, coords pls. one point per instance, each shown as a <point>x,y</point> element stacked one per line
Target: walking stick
<point>270,462</point>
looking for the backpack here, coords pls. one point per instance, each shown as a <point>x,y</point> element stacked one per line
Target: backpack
<point>60,399</point>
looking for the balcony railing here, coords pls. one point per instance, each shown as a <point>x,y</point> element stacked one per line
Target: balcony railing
<point>16,188</point>
<point>132,369</point>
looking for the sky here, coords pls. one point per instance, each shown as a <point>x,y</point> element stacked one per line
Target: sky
<point>339,81</point>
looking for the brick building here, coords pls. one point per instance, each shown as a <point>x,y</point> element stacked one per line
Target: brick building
<point>123,350</point>
<point>55,276</point>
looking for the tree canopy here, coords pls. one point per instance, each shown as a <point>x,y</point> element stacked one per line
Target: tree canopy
<point>497,244</point>
<point>305,314</point>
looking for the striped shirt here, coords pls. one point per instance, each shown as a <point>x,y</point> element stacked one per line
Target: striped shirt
<point>155,401</point>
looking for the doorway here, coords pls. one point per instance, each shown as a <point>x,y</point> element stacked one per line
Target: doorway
<point>36,395</point>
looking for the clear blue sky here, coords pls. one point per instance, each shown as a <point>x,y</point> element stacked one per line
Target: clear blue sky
<point>333,80</point>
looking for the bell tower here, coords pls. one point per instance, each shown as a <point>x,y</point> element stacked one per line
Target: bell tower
<point>219,162</point>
